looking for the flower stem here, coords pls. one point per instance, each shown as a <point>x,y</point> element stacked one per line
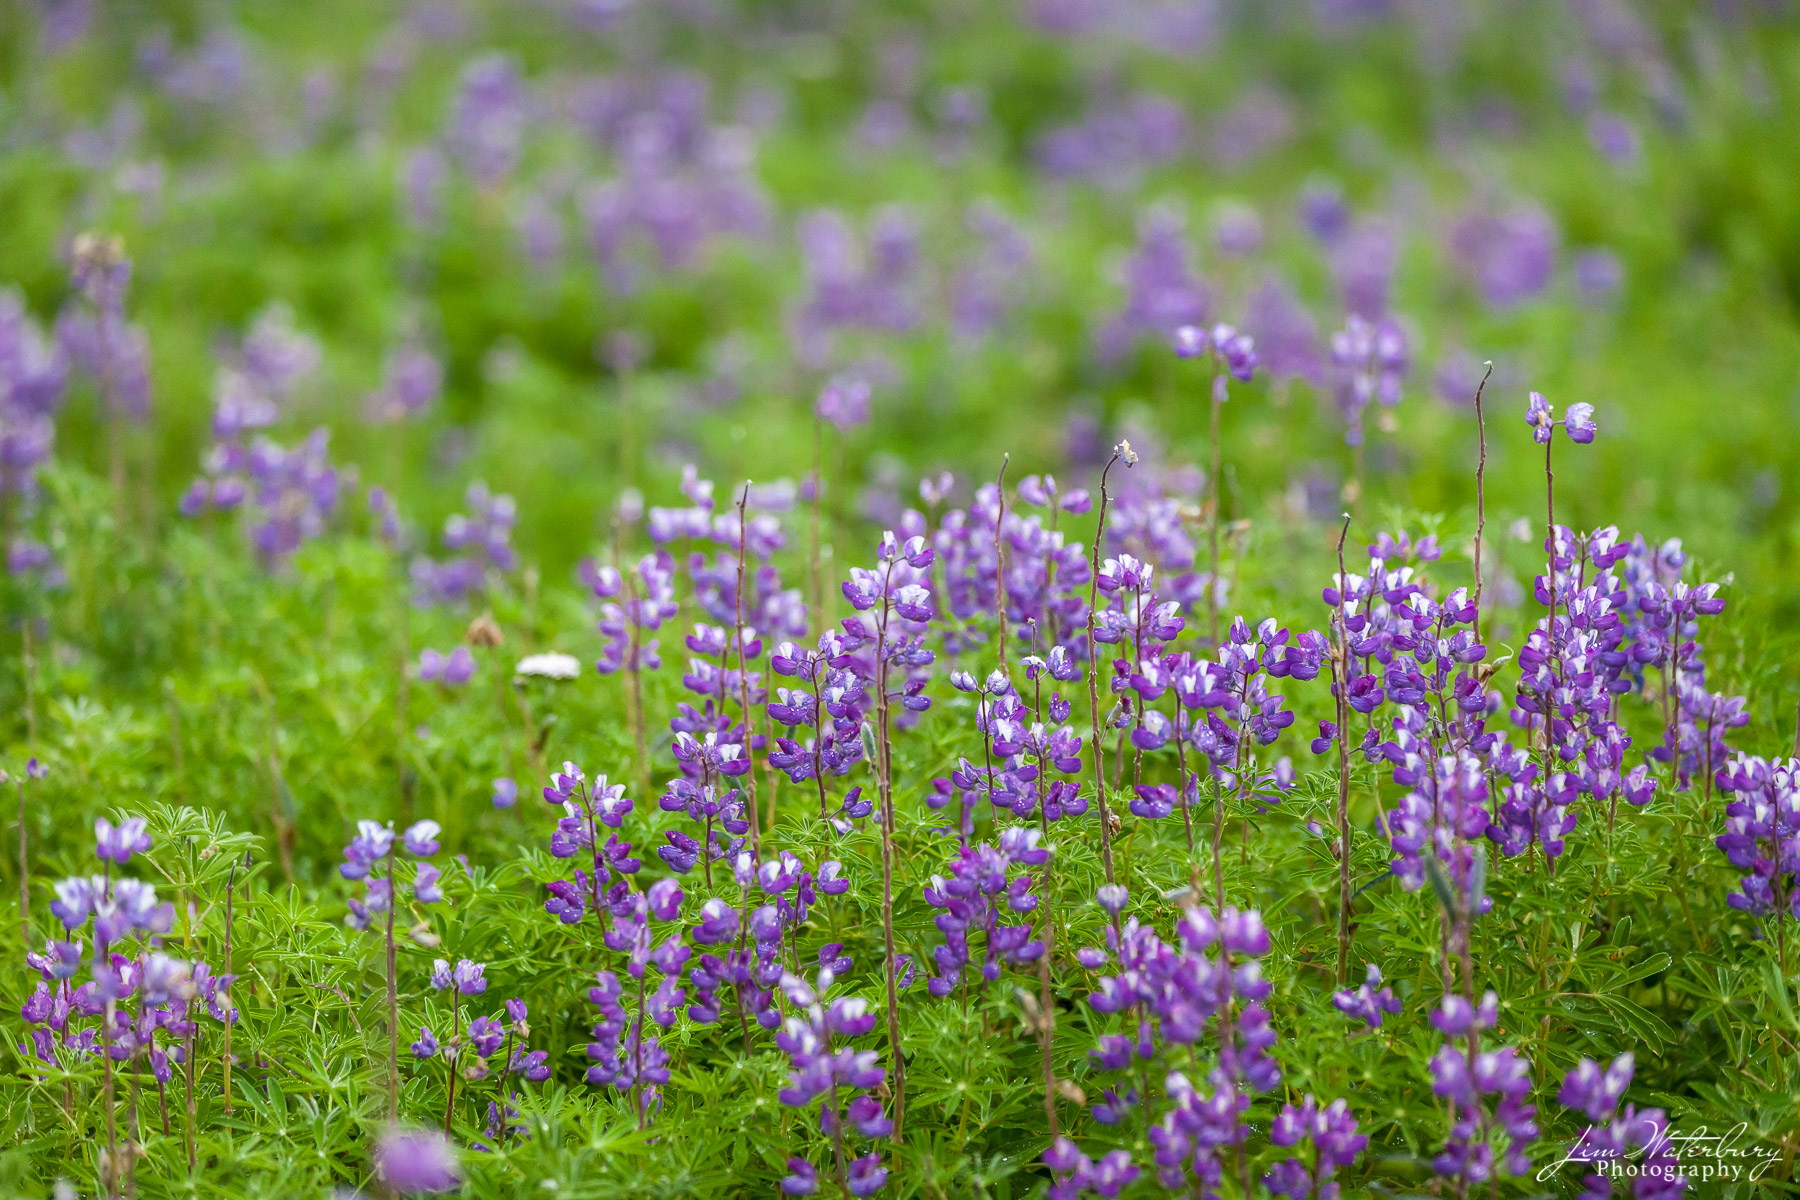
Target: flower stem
<point>1340,684</point>
<point>744,679</point>
<point>637,1053</point>
<point>24,869</point>
<point>1000,559</point>
<point>112,1136</point>
<point>885,778</point>
<point>230,888</point>
<point>454,1048</point>
<point>814,581</point>
<point>1480,491</point>
<point>633,617</point>
<point>1212,487</point>
<point>393,1003</point>
<point>1106,855</point>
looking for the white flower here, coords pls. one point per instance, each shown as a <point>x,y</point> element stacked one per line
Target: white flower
<point>553,665</point>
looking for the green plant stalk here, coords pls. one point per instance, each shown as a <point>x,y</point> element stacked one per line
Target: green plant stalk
<point>744,686</point>
<point>1340,683</point>
<point>393,1004</point>
<point>1093,671</point>
<point>885,780</point>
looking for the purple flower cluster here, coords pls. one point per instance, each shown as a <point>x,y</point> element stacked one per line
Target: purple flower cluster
<point>170,993</point>
<point>33,380</point>
<point>587,808</point>
<point>411,381</point>
<point>1231,354</point>
<point>995,275</point>
<point>1762,834</point>
<point>832,701</point>
<point>624,1057</point>
<point>1116,141</point>
<point>894,609</point>
<point>1369,1001</point>
<point>1076,1174</point>
<point>680,183</point>
<point>1612,1135</point>
<point>1485,1141</point>
<point>1330,1132</point>
<point>850,286</point>
<point>488,119</point>
<point>480,542</point>
<point>1509,256</point>
<point>1287,336</point>
<point>1407,649</point>
<point>1369,362</point>
<point>1045,578</point>
<point>293,491</point>
<point>821,1068</point>
<point>1162,292</point>
<point>649,592</point>
<point>1662,612</point>
<point>1170,994</point>
<point>375,842</point>
<point>755,971</point>
<point>452,670</point>
<point>1027,748</point>
<point>1150,519</point>
<point>972,899</point>
<point>93,336</point>
<point>1222,709</point>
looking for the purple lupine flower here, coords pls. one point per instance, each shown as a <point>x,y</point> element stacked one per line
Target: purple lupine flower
<point>421,838</point>
<point>118,844</point>
<point>33,376</point>
<point>491,115</point>
<point>95,339</point>
<point>1162,292</point>
<point>412,380</point>
<point>469,977</point>
<point>1232,353</point>
<point>802,1178</point>
<point>1510,256</point>
<point>1075,1173</point>
<point>1331,1130</point>
<point>370,846</point>
<point>1369,360</point>
<point>1115,142</point>
<point>1615,138</point>
<point>1369,1001</point>
<point>1287,337</point>
<point>425,887</point>
<point>486,1035</point>
<point>851,286</point>
<point>995,279</point>
<point>1613,1136</point>
<point>650,601</point>
<point>1467,1078</point>
<point>1599,274</point>
<point>817,1069</point>
<point>1363,258</point>
<point>506,792</point>
<point>971,899</point>
<point>844,402</point>
<point>1209,980</point>
<point>417,1162</point>
<point>1762,834</point>
<point>1323,211</point>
